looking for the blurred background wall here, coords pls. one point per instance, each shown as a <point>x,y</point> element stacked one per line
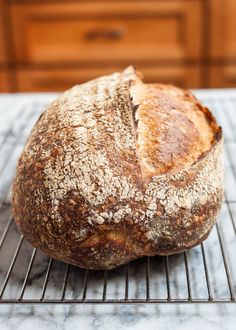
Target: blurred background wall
<point>50,45</point>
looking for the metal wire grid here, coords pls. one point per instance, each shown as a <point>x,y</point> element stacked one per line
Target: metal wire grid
<point>222,108</point>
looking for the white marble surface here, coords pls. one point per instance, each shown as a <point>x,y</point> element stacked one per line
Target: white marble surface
<point>138,317</point>
<point>26,107</point>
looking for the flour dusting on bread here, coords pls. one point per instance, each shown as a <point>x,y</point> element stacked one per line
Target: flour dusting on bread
<point>116,169</point>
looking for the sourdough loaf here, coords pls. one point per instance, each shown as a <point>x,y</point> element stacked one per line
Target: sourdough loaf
<point>116,169</point>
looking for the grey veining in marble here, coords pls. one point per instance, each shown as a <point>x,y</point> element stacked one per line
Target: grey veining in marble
<point>138,317</point>
<point>18,113</point>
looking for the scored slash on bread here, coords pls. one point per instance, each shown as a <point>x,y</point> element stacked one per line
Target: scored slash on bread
<point>116,169</point>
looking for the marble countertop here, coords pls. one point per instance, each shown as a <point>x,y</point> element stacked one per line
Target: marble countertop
<point>138,317</point>
<point>18,112</point>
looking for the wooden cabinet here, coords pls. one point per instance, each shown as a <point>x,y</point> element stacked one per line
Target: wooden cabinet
<point>61,79</point>
<point>114,31</point>
<point>4,67</point>
<point>4,81</point>
<point>223,75</point>
<point>2,41</point>
<point>179,75</point>
<point>54,44</point>
<point>2,46</point>
<point>222,68</point>
<point>56,79</point>
<point>223,29</point>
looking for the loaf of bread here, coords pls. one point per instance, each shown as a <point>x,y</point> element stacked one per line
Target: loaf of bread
<point>116,169</point>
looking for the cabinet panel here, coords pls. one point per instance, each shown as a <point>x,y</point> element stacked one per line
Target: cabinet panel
<point>223,76</point>
<point>4,81</point>
<point>223,28</point>
<point>2,44</point>
<point>59,80</point>
<point>181,76</point>
<point>113,31</point>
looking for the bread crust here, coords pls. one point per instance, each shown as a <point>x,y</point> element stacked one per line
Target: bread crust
<point>82,195</point>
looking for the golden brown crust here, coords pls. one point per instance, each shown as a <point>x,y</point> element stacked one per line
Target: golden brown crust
<point>172,129</point>
<point>83,192</point>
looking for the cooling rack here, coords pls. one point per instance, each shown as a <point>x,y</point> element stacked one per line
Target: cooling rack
<point>204,274</point>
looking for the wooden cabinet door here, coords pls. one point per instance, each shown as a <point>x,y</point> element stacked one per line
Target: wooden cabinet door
<point>223,29</point>
<point>181,76</point>
<point>4,81</point>
<point>108,31</point>
<point>223,76</point>
<point>2,43</point>
<point>60,80</point>
<point>43,80</point>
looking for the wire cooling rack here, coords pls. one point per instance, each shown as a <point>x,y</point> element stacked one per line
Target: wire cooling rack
<point>204,274</point>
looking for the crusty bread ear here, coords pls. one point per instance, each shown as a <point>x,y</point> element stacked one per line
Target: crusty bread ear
<point>172,129</point>
<point>116,169</point>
